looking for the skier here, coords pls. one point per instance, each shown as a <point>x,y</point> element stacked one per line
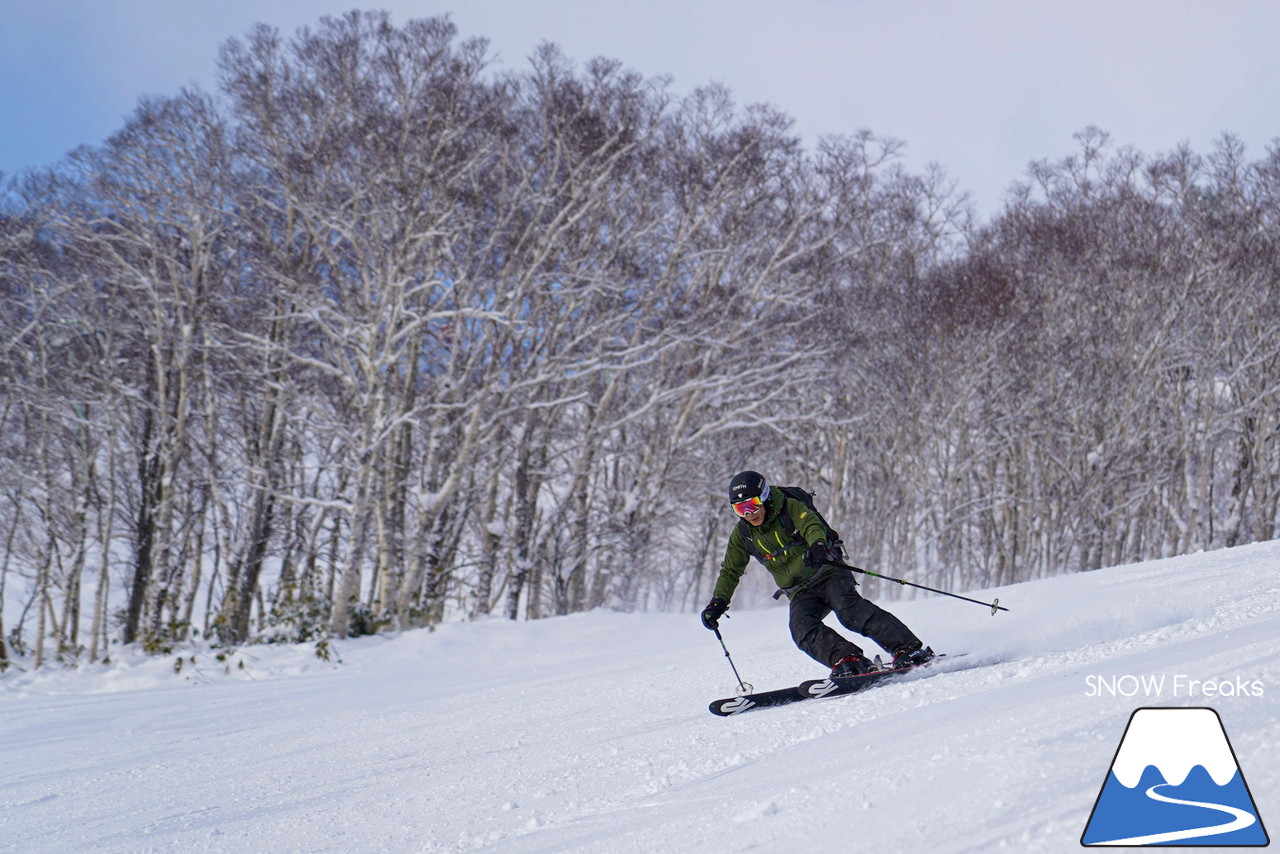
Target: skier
<point>810,571</point>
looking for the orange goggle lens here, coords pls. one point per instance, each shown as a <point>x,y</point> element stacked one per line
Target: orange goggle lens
<point>751,505</point>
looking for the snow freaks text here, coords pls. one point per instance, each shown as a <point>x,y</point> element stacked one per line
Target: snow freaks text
<point>1177,685</point>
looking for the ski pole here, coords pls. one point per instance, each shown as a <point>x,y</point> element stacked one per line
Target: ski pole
<point>742,686</point>
<point>994,605</point>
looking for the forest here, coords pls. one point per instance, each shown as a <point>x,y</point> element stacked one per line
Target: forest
<point>374,336</point>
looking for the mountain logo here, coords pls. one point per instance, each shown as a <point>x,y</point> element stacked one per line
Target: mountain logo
<point>1175,781</point>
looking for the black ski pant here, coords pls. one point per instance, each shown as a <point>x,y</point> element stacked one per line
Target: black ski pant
<point>836,590</point>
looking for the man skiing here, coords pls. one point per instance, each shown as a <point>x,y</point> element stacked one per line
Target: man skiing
<point>791,540</point>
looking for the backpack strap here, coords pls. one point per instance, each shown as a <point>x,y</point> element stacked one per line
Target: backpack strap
<point>744,528</point>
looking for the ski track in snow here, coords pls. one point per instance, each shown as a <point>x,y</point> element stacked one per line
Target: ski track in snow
<point>1239,821</point>
<point>591,732</point>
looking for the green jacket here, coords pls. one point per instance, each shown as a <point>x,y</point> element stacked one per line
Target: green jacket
<point>783,556</point>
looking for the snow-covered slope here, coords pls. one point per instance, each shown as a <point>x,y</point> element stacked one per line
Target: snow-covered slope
<point>590,732</point>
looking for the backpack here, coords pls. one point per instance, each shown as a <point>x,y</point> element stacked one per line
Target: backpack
<point>806,498</point>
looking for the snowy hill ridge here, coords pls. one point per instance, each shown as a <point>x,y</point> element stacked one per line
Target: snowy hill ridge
<point>591,732</point>
<point>1197,739</point>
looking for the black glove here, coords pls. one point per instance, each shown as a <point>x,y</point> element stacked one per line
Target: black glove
<point>711,614</point>
<point>819,554</point>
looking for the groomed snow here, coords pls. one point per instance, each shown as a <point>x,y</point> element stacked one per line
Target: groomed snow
<point>591,732</point>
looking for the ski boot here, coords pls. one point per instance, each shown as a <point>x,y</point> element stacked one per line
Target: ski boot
<point>906,657</point>
<point>852,665</point>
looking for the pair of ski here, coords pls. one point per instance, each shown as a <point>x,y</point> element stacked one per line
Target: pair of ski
<point>812,689</point>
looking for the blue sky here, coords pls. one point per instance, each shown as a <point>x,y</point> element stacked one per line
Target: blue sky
<point>981,87</point>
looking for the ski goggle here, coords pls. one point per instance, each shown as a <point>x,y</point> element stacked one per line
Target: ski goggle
<point>751,505</point>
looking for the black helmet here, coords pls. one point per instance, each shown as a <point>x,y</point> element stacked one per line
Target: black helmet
<point>748,484</point>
